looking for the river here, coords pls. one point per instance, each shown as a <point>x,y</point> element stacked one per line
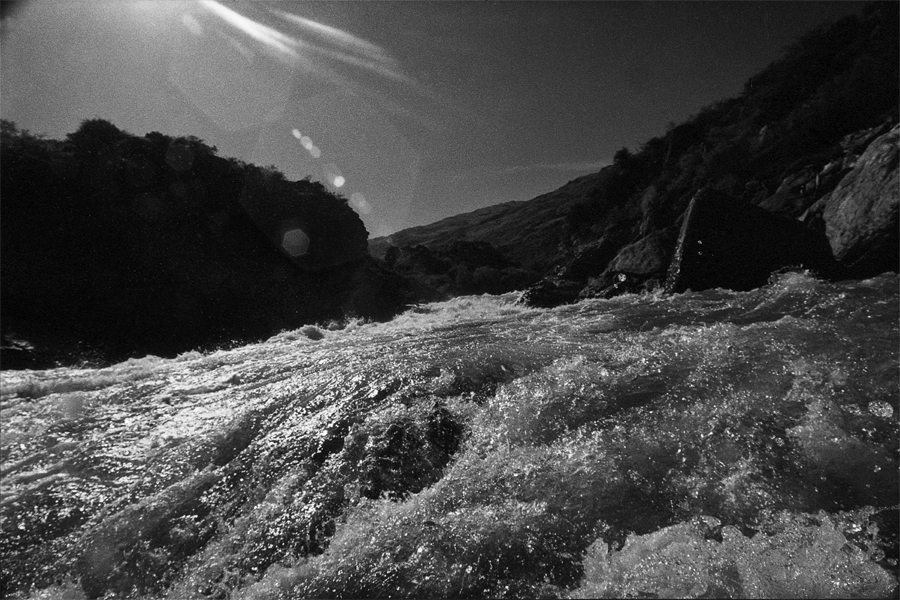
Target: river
<point>701,444</point>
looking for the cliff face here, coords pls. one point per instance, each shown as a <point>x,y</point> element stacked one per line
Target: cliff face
<point>115,245</point>
<point>804,140</point>
<point>860,214</point>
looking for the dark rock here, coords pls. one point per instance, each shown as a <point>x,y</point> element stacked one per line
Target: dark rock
<point>405,455</point>
<point>312,332</point>
<point>730,244</point>
<point>649,210</point>
<point>591,259</point>
<point>21,354</point>
<point>646,257</point>
<point>550,292</point>
<point>597,286</point>
<point>131,246</point>
<point>860,216</point>
<point>615,284</point>
<point>856,143</point>
<point>796,193</point>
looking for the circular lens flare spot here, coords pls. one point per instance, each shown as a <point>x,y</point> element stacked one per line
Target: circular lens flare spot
<point>333,175</point>
<point>360,203</point>
<point>295,242</point>
<point>296,133</point>
<point>316,153</point>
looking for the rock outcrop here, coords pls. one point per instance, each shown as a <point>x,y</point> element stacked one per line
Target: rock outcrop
<point>728,243</point>
<point>645,258</point>
<point>551,291</point>
<point>860,216</point>
<point>591,259</point>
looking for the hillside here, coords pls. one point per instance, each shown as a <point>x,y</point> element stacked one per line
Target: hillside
<point>117,246</point>
<point>528,232</point>
<point>797,130</point>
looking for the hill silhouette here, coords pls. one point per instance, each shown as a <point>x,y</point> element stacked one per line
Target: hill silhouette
<point>115,245</point>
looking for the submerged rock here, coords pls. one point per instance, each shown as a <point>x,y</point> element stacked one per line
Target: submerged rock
<point>550,292</point>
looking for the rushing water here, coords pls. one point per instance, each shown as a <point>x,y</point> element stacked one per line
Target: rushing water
<point>737,444</point>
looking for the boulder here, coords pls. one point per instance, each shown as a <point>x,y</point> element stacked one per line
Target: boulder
<point>727,243</point>
<point>860,216</point>
<point>550,292</point>
<point>610,285</point>
<point>856,143</point>
<point>796,193</point>
<point>591,259</point>
<point>646,257</point>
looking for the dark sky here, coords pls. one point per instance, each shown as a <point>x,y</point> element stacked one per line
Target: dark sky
<point>414,110</point>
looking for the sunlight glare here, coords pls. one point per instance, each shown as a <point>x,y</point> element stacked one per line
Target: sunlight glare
<point>284,45</point>
<point>191,23</point>
<point>342,46</point>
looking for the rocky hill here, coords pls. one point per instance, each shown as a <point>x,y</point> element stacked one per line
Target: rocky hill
<point>802,166</point>
<point>115,245</point>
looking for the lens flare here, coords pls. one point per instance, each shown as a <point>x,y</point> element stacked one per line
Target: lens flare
<point>333,175</point>
<point>359,202</point>
<point>281,44</point>
<point>295,242</point>
<point>296,133</point>
<point>191,23</point>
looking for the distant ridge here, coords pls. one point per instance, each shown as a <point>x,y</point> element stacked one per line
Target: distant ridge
<point>528,232</point>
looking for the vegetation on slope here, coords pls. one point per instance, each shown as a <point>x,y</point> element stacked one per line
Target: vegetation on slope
<point>115,245</point>
<point>782,144</point>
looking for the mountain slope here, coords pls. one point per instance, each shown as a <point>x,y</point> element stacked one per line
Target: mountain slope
<point>793,134</point>
<point>528,232</point>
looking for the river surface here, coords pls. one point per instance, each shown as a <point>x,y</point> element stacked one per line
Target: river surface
<point>701,444</point>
